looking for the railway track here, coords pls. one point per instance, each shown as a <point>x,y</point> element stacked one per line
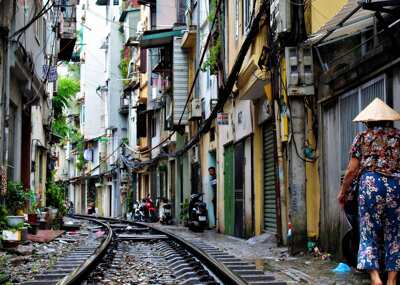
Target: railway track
<point>137,253</point>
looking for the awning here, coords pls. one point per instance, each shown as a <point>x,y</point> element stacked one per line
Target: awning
<point>157,38</point>
<point>66,49</point>
<point>351,19</point>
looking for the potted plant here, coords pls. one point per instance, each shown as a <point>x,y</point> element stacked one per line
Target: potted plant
<point>16,198</point>
<point>33,209</point>
<point>14,233</point>
<point>184,214</point>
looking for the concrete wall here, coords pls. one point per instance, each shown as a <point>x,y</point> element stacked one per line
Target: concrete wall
<point>92,69</point>
<point>166,14</point>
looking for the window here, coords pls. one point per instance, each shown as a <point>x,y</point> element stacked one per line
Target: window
<point>82,114</point>
<point>236,19</point>
<point>247,13</point>
<point>349,106</point>
<point>38,26</point>
<point>153,126</point>
<point>116,2</point>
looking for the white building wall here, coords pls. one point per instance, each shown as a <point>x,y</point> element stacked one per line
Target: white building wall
<point>92,69</point>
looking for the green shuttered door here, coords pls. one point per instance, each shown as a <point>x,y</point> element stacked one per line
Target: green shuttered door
<point>229,199</point>
<point>269,178</point>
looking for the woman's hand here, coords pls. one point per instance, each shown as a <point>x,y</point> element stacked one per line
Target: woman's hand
<point>351,174</point>
<point>341,198</point>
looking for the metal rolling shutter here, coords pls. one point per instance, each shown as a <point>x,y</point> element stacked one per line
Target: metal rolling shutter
<point>180,81</point>
<point>269,178</point>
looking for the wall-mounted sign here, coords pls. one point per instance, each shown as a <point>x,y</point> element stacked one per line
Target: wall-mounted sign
<point>223,119</point>
<point>103,139</point>
<point>51,74</point>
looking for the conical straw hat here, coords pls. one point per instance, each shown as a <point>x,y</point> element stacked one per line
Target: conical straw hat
<point>377,110</point>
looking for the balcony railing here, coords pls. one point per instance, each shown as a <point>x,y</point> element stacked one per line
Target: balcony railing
<point>124,105</point>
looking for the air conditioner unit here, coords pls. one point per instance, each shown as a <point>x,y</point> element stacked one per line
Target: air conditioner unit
<point>169,123</point>
<point>299,71</point>
<point>124,176</point>
<point>280,20</point>
<point>195,111</point>
<point>68,155</point>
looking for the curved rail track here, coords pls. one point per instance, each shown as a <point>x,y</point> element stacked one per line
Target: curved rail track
<point>187,262</point>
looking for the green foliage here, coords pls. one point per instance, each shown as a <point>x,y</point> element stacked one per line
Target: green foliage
<point>16,197</point>
<point>3,217</point>
<point>212,60</point>
<point>123,67</point>
<point>184,214</point>
<point>33,207</point>
<point>74,70</point>
<point>79,142</point>
<point>55,196</point>
<point>125,141</point>
<point>66,90</point>
<point>213,11</point>
<point>60,127</point>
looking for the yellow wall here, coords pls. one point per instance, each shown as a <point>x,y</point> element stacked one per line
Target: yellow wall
<point>322,11</point>
<point>312,185</point>
<point>258,176</point>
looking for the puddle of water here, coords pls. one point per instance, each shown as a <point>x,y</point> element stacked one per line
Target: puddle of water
<point>319,271</point>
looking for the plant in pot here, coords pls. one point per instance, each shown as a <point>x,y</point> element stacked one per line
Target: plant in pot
<point>16,199</point>
<point>33,209</point>
<point>56,201</point>
<point>184,215</point>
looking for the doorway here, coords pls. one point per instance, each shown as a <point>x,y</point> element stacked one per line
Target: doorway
<point>239,189</point>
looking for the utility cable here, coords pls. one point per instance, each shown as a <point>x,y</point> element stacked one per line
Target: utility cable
<point>103,160</point>
<point>193,83</point>
<point>228,87</point>
<point>291,121</point>
<point>43,11</point>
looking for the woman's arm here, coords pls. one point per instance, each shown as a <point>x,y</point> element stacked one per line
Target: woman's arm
<point>351,174</point>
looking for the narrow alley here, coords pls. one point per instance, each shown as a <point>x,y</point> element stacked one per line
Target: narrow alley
<point>199,142</point>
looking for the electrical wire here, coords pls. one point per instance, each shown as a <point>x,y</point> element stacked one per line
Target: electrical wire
<point>103,160</point>
<point>227,89</point>
<point>363,43</point>
<point>193,83</point>
<point>43,11</point>
<point>291,121</point>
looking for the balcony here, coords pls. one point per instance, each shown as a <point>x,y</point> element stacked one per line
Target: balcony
<point>102,2</point>
<point>124,105</point>
<point>130,18</point>
<point>67,32</point>
<point>189,38</point>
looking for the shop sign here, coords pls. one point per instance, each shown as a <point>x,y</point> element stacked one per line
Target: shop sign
<point>223,119</point>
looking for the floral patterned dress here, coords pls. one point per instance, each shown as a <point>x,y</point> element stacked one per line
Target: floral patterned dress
<point>378,151</point>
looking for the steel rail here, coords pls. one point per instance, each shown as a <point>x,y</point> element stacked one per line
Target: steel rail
<point>216,267</point>
<point>84,269</point>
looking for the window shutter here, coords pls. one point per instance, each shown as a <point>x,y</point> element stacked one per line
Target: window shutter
<point>348,110</point>
<point>143,61</point>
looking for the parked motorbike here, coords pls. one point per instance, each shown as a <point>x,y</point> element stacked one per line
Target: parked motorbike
<point>147,207</point>
<point>165,212</point>
<point>138,211</point>
<point>198,216</point>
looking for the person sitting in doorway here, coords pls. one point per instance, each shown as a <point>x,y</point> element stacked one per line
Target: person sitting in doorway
<point>213,185</point>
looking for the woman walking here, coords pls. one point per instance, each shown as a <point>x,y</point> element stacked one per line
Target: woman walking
<point>375,161</point>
